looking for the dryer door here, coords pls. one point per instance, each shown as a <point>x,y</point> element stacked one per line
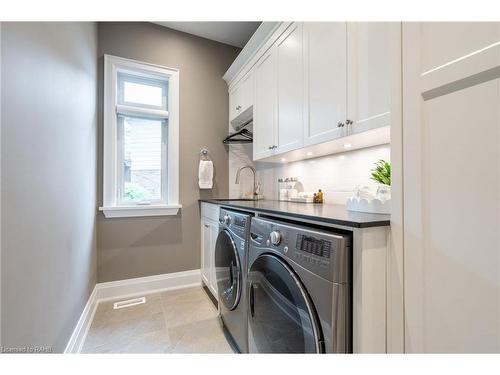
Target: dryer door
<point>227,270</point>
<point>281,318</point>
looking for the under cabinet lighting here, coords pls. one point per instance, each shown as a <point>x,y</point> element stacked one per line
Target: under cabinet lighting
<point>283,159</point>
<point>347,145</point>
<point>309,153</point>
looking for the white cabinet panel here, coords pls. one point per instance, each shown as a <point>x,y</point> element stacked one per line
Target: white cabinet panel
<point>289,129</point>
<point>206,272</point>
<point>234,102</point>
<point>214,232</point>
<point>265,105</point>
<point>241,96</point>
<point>209,233</point>
<point>372,54</point>
<point>325,80</point>
<point>247,91</point>
<point>448,41</point>
<point>451,155</point>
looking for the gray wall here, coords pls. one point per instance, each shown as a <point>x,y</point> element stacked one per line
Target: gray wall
<point>136,247</point>
<point>48,192</point>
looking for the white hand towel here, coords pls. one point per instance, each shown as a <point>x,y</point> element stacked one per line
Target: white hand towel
<point>205,174</point>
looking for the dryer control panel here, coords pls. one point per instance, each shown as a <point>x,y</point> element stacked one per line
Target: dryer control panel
<point>326,254</point>
<point>313,245</point>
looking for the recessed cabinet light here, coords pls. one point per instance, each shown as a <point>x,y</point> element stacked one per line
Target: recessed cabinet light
<point>347,145</point>
<point>309,153</point>
<point>283,159</point>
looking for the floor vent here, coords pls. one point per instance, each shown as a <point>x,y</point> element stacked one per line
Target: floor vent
<point>129,302</point>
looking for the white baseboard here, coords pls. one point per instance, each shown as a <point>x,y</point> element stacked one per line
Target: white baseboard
<point>79,334</point>
<point>124,289</point>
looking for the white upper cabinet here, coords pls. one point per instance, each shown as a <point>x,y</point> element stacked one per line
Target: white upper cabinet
<point>247,92</point>
<point>325,70</point>
<point>315,83</point>
<point>290,93</point>
<point>241,97</point>
<point>264,115</point>
<point>370,63</point>
<point>234,100</point>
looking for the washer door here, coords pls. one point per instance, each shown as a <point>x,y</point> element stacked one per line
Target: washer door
<point>227,270</point>
<point>281,318</point>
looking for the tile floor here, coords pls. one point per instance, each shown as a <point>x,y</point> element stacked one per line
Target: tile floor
<point>180,321</point>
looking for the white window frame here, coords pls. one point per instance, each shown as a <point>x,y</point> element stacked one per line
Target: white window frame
<point>111,205</point>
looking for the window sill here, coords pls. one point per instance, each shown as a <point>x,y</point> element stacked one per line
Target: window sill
<point>140,211</point>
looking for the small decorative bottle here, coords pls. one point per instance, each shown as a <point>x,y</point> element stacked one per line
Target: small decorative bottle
<point>318,197</point>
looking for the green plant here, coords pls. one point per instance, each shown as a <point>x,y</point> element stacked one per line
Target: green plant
<point>135,192</point>
<point>382,172</point>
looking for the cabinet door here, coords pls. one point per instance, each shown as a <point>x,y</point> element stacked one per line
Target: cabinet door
<point>451,187</point>
<point>234,102</point>
<point>265,106</point>
<point>289,131</point>
<point>214,232</point>
<point>206,243</point>
<point>372,55</point>
<point>325,73</point>
<point>247,91</point>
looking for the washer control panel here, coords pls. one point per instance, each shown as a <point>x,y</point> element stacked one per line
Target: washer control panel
<point>234,221</point>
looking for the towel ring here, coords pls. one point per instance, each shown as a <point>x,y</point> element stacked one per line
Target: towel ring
<point>204,154</point>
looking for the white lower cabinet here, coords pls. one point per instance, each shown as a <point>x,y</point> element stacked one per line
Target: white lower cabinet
<point>209,233</point>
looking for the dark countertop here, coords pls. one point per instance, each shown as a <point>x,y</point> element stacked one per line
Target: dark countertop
<point>327,213</point>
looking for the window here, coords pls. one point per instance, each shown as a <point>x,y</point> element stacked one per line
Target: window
<point>141,120</point>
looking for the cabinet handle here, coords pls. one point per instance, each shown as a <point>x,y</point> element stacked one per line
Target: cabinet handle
<point>270,147</point>
<point>340,124</point>
<point>349,122</point>
<point>238,107</point>
<point>207,225</point>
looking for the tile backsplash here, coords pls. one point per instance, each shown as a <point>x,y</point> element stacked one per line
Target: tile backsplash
<point>336,175</point>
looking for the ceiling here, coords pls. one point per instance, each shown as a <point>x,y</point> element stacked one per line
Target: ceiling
<point>233,33</point>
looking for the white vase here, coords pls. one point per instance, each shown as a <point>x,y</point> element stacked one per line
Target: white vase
<point>384,192</point>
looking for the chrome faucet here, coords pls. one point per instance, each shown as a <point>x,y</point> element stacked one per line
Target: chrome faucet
<point>254,182</point>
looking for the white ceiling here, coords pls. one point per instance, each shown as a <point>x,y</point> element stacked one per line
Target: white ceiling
<point>232,33</point>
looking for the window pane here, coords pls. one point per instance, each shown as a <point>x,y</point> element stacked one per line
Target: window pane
<point>142,94</point>
<point>142,159</point>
